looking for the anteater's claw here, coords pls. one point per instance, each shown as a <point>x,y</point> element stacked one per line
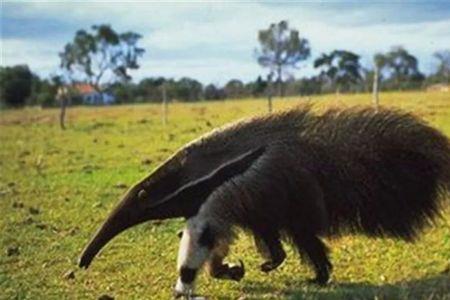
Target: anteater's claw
<point>230,271</point>
<point>274,262</point>
<point>237,272</point>
<point>270,265</point>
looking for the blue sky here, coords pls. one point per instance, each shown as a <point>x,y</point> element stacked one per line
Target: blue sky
<point>215,41</point>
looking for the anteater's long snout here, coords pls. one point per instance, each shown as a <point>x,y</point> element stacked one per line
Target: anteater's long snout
<point>131,211</point>
<point>121,218</point>
<point>139,206</point>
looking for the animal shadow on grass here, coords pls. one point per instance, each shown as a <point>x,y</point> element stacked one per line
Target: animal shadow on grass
<point>435,287</point>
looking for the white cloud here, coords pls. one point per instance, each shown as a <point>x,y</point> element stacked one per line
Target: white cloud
<point>215,41</point>
<point>41,56</point>
<point>217,71</point>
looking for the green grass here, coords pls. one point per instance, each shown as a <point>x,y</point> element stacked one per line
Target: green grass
<point>57,187</point>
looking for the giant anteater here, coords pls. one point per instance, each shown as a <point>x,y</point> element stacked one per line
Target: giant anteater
<point>297,174</point>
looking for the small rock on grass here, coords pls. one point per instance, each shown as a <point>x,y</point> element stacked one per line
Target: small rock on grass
<point>24,153</point>
<point>17,205</point>
<point>69,275</point>
<point>120,185</point>
<point>105,297</point>
<point>28,221</point>
<point>41,226</point>
<point>34,211</point>
<point>146,161</point>
<point>74,230</point>
<point>12,251</point>
<point>97,205</point>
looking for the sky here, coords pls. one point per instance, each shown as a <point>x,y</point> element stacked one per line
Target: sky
<point>214,42</point>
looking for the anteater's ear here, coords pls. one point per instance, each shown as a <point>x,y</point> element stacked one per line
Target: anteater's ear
<point>192,195</point>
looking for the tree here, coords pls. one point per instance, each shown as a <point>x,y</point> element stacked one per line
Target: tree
<point>188,89</point>
<point>281,49</point>
<point>150,88</point>
<point>306,86</point>
<point>212,92</point>
<point>257,88</point>
<point>48,89</point>
<point>235,89</point>
<point>36,85</point>
<point>443,70</point>
<point>400,67</point>
<point>125,92</point>
<point>100,57</point>
<point>341,67</point>
<point>15,85</point>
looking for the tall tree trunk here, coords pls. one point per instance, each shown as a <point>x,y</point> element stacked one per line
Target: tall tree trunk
<point>269,92</point>
<point>280,82</point>
<point>62,113</point>
<point>375,99</point>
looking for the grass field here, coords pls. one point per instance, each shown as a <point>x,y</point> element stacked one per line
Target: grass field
<point>57,187</point>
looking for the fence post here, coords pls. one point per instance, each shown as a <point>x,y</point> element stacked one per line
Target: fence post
<point>269,91</point>
<point>164,104</point>
<point>375,99</point>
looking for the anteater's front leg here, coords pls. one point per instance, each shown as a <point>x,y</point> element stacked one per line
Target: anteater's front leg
<point>316,253</point>
<point>197,242</point>
<point>220,270</point>
<point>200,243</point>
<point>270,247</point>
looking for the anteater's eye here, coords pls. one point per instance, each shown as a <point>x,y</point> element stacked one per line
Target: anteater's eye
<point>142,195</point>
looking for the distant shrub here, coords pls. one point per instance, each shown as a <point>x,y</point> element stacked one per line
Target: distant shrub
<point>46,99</point>
<point>15,85</point>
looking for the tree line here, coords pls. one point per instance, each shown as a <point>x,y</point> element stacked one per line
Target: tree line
<point>102,58</point>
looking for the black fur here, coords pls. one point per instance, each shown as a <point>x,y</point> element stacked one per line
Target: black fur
<point>207,237</point>
<point>378,173</point>
<point>298,174</point>
<point>187,275</point>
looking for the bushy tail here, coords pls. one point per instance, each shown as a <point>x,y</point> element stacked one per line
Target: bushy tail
<point>415,181</point>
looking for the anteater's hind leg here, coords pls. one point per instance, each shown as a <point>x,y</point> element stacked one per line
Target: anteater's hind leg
<point>220,270</point>
<point>270,247</point>
<point>316,253</point>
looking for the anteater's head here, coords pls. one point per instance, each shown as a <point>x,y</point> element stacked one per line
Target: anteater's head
<point>175,189</point>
